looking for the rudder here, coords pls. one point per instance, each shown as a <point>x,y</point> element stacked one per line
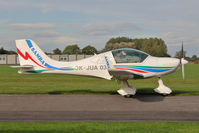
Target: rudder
<point>30,54</point>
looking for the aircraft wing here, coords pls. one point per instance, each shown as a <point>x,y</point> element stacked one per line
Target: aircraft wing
<point>125,74</point>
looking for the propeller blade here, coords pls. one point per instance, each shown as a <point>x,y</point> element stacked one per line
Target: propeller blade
<point>182,51</point>
<point>183,61</point>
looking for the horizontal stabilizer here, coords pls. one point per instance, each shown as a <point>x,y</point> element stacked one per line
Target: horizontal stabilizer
<point>24,66</point>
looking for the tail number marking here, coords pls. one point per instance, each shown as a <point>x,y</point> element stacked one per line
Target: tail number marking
<point>91,67</point>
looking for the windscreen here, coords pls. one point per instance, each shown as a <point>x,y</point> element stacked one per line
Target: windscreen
<point>129,55</point>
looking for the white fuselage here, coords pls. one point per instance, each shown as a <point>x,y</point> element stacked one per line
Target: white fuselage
<point>102,65</point>
<point>120,63</point>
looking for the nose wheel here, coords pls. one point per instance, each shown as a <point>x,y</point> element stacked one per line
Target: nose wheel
<point>162,89</point>
<point>127,90</point>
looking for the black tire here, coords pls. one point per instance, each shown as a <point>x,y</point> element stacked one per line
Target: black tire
<point>128,96</point>
<point>165,95</point>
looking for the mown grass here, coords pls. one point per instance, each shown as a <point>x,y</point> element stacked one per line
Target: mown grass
<point>100,127</point>
<point>13,83</point>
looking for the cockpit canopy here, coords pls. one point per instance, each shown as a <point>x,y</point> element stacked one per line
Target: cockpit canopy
<point>127,55</point>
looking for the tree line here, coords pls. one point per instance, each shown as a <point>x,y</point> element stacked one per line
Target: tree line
<point>3,51</point>
<point>152,46</point>
<point>74,49</point>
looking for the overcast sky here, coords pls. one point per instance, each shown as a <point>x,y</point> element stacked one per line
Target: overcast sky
<point>57,23</point>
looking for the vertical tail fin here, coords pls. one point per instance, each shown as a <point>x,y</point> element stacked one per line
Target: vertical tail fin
<point>30,54</point>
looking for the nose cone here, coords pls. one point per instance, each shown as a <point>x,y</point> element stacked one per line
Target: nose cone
<point>183,61</point>
<point>174,62</point>
<point>171,62</point>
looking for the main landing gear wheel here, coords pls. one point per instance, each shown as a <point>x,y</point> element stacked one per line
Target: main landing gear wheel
<point>128,96</point>
<point>127,91</point>
<point>162,89</point>
<point>164,95</point>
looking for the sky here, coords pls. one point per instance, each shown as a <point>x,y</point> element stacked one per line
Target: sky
<point>58,23</point>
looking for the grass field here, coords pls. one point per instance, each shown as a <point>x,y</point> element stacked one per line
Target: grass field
<point>13,83</point>
<point>101,127</point>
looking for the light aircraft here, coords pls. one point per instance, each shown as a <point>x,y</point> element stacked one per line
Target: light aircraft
<point>122,64</point>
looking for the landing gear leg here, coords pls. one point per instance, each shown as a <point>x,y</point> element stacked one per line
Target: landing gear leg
<point>127,90</point>
<point>162,89</point>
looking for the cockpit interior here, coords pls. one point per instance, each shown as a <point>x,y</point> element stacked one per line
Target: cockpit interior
<point>126,55</point>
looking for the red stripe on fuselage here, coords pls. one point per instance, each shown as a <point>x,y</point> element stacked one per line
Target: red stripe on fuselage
<point>135,70</point>
<point>27,56</point>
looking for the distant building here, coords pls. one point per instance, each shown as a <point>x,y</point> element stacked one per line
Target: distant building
<point>13,59</point>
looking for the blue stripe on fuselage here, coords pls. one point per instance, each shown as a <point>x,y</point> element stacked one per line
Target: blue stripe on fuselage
<point>147,69</point>
<point>56,68</point>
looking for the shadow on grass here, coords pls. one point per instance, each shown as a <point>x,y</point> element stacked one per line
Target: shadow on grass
<point>150,91</point>
<point>179,92</point>
<point>142,94</point>
<point>144,97</point>
<point>147,95</point>
<point>149,98</point>
<point>143,91</point>
<point>83,92</point>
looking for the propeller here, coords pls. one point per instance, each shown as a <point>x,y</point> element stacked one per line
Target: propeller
<point>183,61</point>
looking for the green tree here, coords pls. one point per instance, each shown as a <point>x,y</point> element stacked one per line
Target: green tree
<point>56,51</point>
<point>11,52</point>
<point>72,49</point>
<point>89,50</point>
<point>194,58</point>
<point>179,54</point>
<point>119,42</point>
<point>3,51</point>
<point>152,46</point>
